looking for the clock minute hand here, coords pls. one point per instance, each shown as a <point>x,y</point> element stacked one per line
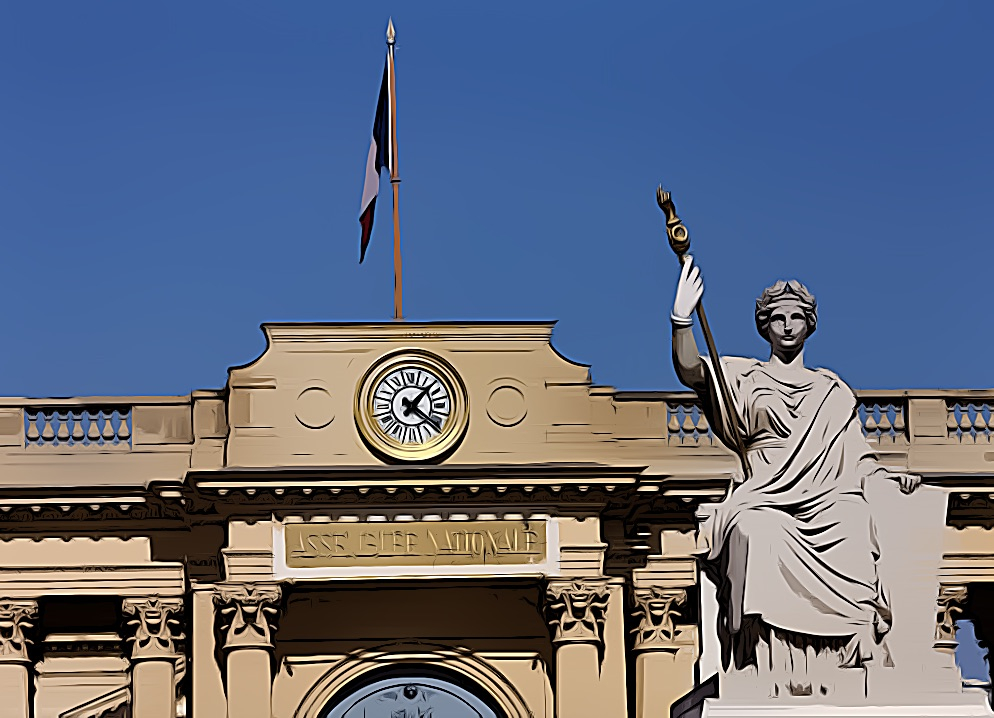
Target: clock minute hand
<point>410,407</point>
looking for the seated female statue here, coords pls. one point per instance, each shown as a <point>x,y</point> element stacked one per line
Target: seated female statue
<point>792,548</point>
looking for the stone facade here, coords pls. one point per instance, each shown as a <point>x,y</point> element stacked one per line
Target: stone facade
<point>261,551</point>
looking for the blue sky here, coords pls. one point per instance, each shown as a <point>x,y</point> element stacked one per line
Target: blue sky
<point>174,174</point>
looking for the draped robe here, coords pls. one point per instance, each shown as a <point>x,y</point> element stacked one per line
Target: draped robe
<point>793,546</point>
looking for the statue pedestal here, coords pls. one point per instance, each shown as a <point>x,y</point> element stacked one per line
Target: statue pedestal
<point>968,704</point>
<point>874,693</point>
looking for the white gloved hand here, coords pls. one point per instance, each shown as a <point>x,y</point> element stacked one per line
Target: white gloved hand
<point>689,289</point>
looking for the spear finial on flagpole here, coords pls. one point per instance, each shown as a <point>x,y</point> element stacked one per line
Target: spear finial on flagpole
<point>391,33</point>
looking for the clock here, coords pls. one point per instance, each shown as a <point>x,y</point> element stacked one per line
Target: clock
<point>411,406</point>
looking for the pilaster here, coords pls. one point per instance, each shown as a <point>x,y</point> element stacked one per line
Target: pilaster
<point>664,630</point>
<point>577,611</point>
<point>155,631</point>
<point>247,614</point>
<point>15,624</point>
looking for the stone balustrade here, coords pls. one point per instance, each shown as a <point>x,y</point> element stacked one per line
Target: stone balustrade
<point>77,426</point>
<point>94,424</point>
<point>969,420</point>
<point>686,423</point>
<point>883,420</point>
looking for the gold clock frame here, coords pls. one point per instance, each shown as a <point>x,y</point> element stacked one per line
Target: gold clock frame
<point>378,440</point>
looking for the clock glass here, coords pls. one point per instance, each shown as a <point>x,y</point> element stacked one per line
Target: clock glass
<point>411,405</point>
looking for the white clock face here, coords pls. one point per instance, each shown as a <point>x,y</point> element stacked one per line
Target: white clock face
<point>412,404</point>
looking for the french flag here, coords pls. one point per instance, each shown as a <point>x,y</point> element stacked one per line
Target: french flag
<point>380,158</point>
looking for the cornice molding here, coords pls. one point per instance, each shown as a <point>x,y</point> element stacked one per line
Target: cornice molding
<point>371,332</point>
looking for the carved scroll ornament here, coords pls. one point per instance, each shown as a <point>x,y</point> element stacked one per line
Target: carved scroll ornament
<point>656,611</point>
<point>14,623</point>
<point>155,628</point>
<point>248,614</point>
<point>576,609</point>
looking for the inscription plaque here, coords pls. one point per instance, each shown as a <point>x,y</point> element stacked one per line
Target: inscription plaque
<point>415,543</point>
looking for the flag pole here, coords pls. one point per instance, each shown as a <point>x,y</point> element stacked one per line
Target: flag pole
<point>398,293</point>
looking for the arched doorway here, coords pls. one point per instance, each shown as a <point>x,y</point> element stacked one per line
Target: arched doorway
<point>410,695</point>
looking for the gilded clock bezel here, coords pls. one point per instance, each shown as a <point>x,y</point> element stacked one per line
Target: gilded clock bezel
<point>380,441</point>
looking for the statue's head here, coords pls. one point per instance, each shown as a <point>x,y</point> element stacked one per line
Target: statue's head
<point>787,311</point>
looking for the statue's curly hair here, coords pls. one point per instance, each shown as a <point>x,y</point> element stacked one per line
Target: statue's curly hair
<point>794,290</point>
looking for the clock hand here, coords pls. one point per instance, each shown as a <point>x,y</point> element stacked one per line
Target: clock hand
<point>410,406</point>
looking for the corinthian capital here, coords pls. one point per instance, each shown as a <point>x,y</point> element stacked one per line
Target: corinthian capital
<point>576,609</point>
<point>657,610</point>
<point>950,603</point>
<point>248,614</point>
<point>14,624</point>
<point>155,630</point>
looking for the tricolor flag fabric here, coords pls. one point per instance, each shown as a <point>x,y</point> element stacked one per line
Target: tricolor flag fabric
<point>380,158</point>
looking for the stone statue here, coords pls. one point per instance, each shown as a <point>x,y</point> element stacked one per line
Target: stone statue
<point>792,548</point>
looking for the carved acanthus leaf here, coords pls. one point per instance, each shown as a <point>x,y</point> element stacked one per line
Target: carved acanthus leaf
<point>154,627</point>
<point>15,622</point>
<point>951,601</point>
<point>656,611</point>
<point>248,614</point>
<point>576,609</point>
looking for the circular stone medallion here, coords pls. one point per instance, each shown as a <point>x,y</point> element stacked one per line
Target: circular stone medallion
<point>315,408</point>
<point>506,406</point>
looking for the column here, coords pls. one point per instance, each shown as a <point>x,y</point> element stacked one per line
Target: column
<point>247,614</point>
<point>154,631</point>
<point>576,611</point>
<point>665,650</point>
<point>15,622</point>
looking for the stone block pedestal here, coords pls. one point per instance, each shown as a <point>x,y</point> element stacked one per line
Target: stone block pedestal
<point>972,704</point>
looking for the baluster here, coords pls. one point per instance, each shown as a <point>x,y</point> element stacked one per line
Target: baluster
<point>673,425</point>
<point>92,431</point>
<point>951,421</point>
<point>701,425</point>
<point>899,426</point>
<point>48,431</point>
<point>77,427</point>
<point>108,428</point>
<point>870,424</point>
<point>687,429</point>
<point>885,426</point>
<point>31,434</point>
<point>979,423</point>
<point>965,423</point>
<point>63,432</point>
<point>123,432</point>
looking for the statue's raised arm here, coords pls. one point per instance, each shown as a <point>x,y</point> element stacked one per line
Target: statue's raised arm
<point>686,359</point>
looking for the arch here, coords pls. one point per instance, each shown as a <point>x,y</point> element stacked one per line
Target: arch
<point>445,663</point>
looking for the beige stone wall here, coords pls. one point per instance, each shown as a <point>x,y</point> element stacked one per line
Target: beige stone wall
<point>182,500</point>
